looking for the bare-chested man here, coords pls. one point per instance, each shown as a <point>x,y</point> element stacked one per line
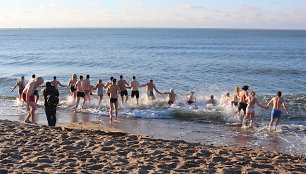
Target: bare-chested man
<point>108,84</point>
<point>21,85</point>
<point>113,101</point>
<point>250,110</point>
<point>87,87</point>
<point>150,86</point>
<point>29,98</point>
<point>243,95</point>
<point>123,85</point>
<point>72,82</point>
<point>171,96</point>
<point>235,97</point>
<point>276,112</point>
<point>55,83</point>
<point>80,92</point>
<point>134,85</point>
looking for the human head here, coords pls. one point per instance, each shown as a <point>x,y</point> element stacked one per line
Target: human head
<point>151,80</point>
<point>237,89</point>
<point>99,81</point>
<point>114,81</point>
<point>54,77</point>
<point>33,76</point>
<point>87,76</point>
<point>81,77</point>
<point>121,76</point>
<point>171,90</point>
<point>111,78</point>
<point>253,93</point>
<point>212,96</point>
<point>39,80</point>
<point>227,94</point>
<point>74,76</point>
<point>48,85</point>
<point>278,93</point>
<point>245,87</point>
<point>22,77</point>
<point>192,92</point>
<point>133,77</point>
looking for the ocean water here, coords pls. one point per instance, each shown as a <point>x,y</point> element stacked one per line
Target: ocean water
<point>207,61</point>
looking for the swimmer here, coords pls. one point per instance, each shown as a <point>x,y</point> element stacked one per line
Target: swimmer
<point>226,99</point>
<point>211,100</point>
<point>250,110</point>
<point>123,85</point>
<point>191,98</point>
<point>278,103</point>
<point>100,87</point>
<point>134,85</point>
<point>171,96</point>
<point>86,87</point>
<point>235,97</point>
<point>150,86</point>
<point>113,90</point>
<point>21,85</point>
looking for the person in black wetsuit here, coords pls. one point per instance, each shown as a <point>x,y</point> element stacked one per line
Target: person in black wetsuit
<point>51,100</point>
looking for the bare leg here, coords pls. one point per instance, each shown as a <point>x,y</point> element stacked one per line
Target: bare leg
<point>276,124</point>
<point>111,112</point>
<point>116,110</point>
<point>37,98</point>
<point>122,99</point>
<point>84,100</point>
<point>126,98</point>
<point>252,118</point>
<point>271,124</point>
<point>137,101</point>
<point>77,103</point>
<point>32,111</point>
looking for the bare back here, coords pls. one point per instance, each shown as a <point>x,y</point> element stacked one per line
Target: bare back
<point>251,101</point>
<point>79,86</point>
<point>243,96</point>
<point>134,85</point>
<point>277,103</point>
<point>150,87</point>
<point>122,85</point>
<point>113,90</point>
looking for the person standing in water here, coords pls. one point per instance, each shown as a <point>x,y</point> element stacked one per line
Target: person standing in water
<point>191,98</point>
<point>150,86</point>
<point>29,98</point>
<point>235,97</point>
<point>278,103</point>
<point>250,110</point>
<point>100,87</point>
<point>211,100</point>
<point>108,84</point>
<point>171,96</point>
<point>35,90</point>
<point>55,83</point>
<point>21,85</point>
<point>113,102</point>
<point>123,85</point>
<point>80,92</point>
<point>134,85</point>
<point>72,84</point>
<point>86,87</point>
<point>243,95</point>
<point>51,101</point>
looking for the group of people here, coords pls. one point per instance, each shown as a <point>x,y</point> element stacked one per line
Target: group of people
<point>82,88</point>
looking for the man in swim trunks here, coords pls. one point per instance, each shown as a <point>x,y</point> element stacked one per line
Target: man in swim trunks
<point>113,101</point>
<point>171,96</point>
<point>211,100</point>
<point>123,85</point>
<point>134,85</point>
<point>87,87</point>
<point>108,84</point>
<point>29,98</point>
<point>80,92</point>
<point>235,97</point>
<point>55,83</point>
<point>21,86</point>
<point>276,112</point>
<point>250,110</point>
<point>191,98</point>
<point>243,95</point>
<point>149,88</point>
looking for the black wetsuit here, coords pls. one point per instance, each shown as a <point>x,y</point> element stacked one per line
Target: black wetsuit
<point>50,108</point>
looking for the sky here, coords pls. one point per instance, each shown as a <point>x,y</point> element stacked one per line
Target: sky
<point>260,14</point>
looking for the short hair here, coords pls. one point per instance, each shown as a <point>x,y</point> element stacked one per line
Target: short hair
<point>22,77</point>
<point>237,88</point>
<point>114,80</point>
<point>134,77</point>
<point>87,76</point>
<point>279,93</point>
<point>33,76</point>
<point>253,92</point>
<point>111,78</point>
<point>99,81</point>
<point>151,80</point>
<point>81,77</point>
<point>121,76</point>
<point>54,77</point>
<point>48,85</point>
<point>245,87</point>
<point>227,94</point>
<point>212,96</point>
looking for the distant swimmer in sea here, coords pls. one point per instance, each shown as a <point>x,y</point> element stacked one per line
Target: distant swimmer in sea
<point>243,95</point>
<point>99,87</point>
<point>71,84</point>
<point>123,85</point>
<point>86,87</point>
<point>250,110</point>
<point>235,97</point>
<point>276,112</point>
<point>150,86</point>
<point>80,92</point>
<point>211,100</point>
<point>55,83</point>
<point>21,85</point>
<point>113,90</point>
<point>29,98</point>
<point>134,85</point>
<point>108,84</point>
<point>171,96</point>
<point>191,98</point>
<point>226,99</point>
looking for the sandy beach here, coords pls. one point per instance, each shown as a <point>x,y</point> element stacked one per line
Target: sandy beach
<point>79,148</point>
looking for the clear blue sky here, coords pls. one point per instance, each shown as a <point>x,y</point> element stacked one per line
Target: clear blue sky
<point>278,14</point>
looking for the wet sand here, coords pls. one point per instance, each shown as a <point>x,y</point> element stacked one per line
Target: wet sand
<point>75,149</point>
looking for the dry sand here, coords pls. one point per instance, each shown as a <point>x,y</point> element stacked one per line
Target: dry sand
<point>40,149</point>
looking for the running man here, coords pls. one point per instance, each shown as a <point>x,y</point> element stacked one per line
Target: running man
<point>150,86</point>
<point>113,101</point>
<point>80,92</point>
<point>276,112</point>
<point>21,84</point>
<point>235,97</point>
<point>243,95</point>
<point>250,110</point>
<point>171,96</point>
<point>29,98</point>
<point>123,85</point>
<point>134,85</point>
<point>55,83</point>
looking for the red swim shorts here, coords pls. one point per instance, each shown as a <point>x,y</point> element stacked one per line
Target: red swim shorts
<point>24,97</point>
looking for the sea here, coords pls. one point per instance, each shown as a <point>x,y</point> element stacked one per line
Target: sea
<point>206,61</point>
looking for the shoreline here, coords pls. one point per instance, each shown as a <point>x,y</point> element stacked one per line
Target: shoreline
<point>80,148</point>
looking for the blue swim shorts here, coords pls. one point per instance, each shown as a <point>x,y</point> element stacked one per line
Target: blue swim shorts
<point>276,113</point>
